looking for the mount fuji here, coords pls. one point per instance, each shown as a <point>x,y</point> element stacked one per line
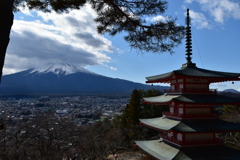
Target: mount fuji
<point>60,69</point>
<point>64,78</point>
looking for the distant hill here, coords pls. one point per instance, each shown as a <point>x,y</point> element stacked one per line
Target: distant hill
<point>231,90</point>
<point>230,93</point>
<point>63,78</point>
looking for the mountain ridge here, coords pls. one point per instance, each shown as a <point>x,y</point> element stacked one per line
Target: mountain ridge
<point>62,79</point>
<point>60,69</point>
<point>231,90</point>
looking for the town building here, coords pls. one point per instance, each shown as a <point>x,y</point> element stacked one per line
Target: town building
<point>188,131</point>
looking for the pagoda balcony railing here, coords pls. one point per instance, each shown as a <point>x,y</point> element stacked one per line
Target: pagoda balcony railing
<point>192,142</point>
<point>194,91</point>
<point>190,116</point>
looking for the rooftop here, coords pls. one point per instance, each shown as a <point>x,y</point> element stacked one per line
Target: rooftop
<point>206,125</point>
<point>193,98</point>
<point>162,150</point>
<point>194,72</point>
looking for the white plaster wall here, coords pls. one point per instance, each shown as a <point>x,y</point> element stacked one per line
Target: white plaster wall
<point>181,86</point>
<point>170,134</point>
<point>179,136</point>
<point>180,110</point>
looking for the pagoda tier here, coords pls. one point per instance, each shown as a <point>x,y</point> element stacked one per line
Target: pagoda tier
<point>188,72</point>
<point>165,151</point>
<point>191,106</point>
<point>213,99</point>
<point>186,133</point>
<point>165,124</point>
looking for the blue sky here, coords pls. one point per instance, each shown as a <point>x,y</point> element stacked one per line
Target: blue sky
<point>40,38</point>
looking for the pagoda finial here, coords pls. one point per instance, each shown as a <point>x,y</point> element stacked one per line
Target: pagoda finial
<point>188,39</point>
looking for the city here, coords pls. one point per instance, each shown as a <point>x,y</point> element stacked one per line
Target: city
<point>79,109</point>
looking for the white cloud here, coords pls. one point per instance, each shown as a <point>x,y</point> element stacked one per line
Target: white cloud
<point>216,85</point>
<point>25,11</point>
<point>53,37</point>
<point>219,86</point>
<point>199,20</point>
<point>188,1</point>
<point>220,10</point>
<point>113,68</point>
<point>110,67</point>
<point>157,18</point>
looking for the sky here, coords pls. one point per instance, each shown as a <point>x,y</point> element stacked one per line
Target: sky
<point>39,38</point>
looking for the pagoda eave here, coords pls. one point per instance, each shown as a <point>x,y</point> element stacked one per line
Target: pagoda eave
<point>154,128</point>
<point>209,79</point>
<point>164,124</point>
<point>166,80</point>
<point>162,150</point>
<point>208,103</point>
<point>157,103</point>
<point>158,149</point>
<point>186,132</point>
<point>189,103</point>
<point>217,80</point>
<point>185,99</point>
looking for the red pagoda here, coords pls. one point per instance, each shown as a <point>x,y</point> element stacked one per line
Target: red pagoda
<point>188,130</point>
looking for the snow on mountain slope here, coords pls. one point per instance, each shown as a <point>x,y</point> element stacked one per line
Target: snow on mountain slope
<point>63,78</point>
<point>61,69</point>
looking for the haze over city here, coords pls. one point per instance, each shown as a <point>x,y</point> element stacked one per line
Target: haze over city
<point>39,38</point>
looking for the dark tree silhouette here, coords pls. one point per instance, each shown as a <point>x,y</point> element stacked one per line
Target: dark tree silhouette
<point>6,21</point>
<point>135,110</point>
<point>114,16</point>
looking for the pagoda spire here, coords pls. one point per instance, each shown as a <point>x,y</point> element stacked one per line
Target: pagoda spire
<point>188,42</point>
<point>188,38</point>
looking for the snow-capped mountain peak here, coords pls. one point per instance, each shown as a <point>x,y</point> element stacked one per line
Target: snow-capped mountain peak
<point>60,69</point>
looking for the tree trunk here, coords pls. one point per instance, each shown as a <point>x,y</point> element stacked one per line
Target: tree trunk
<point>6,21</point>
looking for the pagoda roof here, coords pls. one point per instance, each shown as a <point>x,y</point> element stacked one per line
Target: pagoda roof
<point>192,98</point>
<point>159,150</point>
<point>206,125</point>
<point>192,71</point>
<point>164,151</point>
<point>162,123</point>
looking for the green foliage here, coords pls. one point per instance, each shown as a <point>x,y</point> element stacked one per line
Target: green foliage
<point>135,110</point>
<point>150,110</point>
<point>115,16</point>
<point>230,113</point>
<point>129,16</point>
<point>59,6</point>
<point>232,139</point>
<point>152,93</point>
<point>132,111</point>
<point>153,111</point>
